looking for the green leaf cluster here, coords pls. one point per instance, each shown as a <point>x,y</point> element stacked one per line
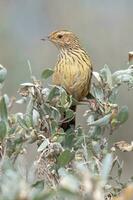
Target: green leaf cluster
<point>73,164</point>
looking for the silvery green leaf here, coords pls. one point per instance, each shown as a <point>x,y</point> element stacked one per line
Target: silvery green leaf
<point>37,184</point>
<point>45,91</point>
<point>96,147</point>
<point>28,84</point>
<point>31,175</point>
<point>131,67</point>
<point>65,157</point>
<point>62,172</point>
<point>69,114</point>
<point>22,122</point>
<point>3,73</point>
<point>98,93</point>
<point>90,119</point>
<point>55,91</point>
<point>63,98</point>
<point>67,100</point>
<point>70,183</point>
<point>54,126</point>
<point>107,75</point>
<point>102,121</point>
<point>113,96</point>
<point>97,77</point>
<point>106,167</point>
<point>28,120</point>
<point>55,113</point>
<point>7,100</point>
<point>47,73</point>
<point>120,168</point>
<point>29,107</point>
<point>3,110</point>
<point>35,117</point>
<point>123,114</point>
<point>96,133</point>
<point>47,109</point>
<point>122,76</point>
<point>3,130</point>
<point>20,114</point>
<point>43,145</point>
<point>21,101</point>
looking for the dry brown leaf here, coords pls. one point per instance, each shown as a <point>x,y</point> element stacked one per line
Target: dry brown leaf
<point>126,194</point>
<point>124,146</point>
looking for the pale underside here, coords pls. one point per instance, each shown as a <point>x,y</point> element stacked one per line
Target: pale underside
<point>74,76</point>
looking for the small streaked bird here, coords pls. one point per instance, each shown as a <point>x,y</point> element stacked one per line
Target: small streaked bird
<point>73,69</point>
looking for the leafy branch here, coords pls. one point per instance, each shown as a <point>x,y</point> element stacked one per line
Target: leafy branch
<point>72,164</point>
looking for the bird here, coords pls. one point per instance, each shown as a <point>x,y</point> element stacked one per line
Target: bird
<point>73,69</point>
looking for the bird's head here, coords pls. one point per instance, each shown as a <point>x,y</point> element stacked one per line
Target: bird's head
<point>64,39</point>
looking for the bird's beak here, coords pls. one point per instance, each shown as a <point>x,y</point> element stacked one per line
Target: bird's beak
<point>45,38</point>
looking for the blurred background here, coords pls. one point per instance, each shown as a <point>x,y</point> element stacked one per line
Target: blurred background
<point>104,28</point>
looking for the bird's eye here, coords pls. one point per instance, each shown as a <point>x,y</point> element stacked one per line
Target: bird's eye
<point>60,36</point>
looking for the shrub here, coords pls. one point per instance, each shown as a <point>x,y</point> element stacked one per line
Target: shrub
<point>72,164</point>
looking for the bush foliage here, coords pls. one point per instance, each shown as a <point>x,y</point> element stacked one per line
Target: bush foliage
<point>72,164</point>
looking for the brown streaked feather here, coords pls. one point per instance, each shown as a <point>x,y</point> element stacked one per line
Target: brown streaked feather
<point>74,74</point>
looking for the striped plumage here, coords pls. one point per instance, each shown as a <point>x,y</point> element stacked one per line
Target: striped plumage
<point>73,69</point>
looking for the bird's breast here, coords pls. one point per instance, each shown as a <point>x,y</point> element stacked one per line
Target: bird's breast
<point>74,75</point>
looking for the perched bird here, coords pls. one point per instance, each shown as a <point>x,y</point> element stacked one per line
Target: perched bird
<point>73,69</point>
